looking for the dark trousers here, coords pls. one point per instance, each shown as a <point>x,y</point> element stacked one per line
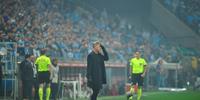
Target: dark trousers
<point>54,91</point>
<point>1,87</point>
<point>27,89</point>
<point>95,93</point>
<point>36,86</point>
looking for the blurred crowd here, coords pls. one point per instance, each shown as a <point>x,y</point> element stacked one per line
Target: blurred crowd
<point>67,30</point>
<point>187,10</point>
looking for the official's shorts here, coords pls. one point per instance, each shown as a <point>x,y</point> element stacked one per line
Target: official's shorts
<point>137,79</point>
<point>44,77</point>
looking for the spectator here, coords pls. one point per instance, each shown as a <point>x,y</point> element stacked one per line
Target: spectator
<point>161,74</point>
<point>54,79</point>
<point>194,63</point>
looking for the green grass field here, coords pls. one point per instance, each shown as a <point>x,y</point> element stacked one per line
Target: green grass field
<point>189,95</point>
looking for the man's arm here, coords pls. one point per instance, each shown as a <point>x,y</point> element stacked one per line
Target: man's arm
<point>59,75</point>
<point>89,68</point>
<point>130,72</point>
<point>1,72</point>
<point>145,70</point>
<point>50,66</point>
<point>130,69</point>
<point>21,70</point>
<point>105,54</point>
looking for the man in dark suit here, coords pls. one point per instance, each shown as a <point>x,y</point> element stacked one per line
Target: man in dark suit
<point>26,71</point>
<point>96,74</point>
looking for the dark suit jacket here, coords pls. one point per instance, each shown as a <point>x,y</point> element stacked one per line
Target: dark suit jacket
<point>26,71</point>
<point>1,72</point>
<point>96,73</point>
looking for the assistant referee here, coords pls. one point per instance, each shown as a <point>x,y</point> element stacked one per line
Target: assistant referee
<point>138,71</point>
<point>43,64</point>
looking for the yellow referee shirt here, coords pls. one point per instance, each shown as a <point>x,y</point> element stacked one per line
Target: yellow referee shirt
<point>137,65</point>
<point>43,63</point>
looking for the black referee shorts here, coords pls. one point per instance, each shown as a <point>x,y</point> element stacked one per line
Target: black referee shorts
<point>137,78</point>
<point>44,77</point>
